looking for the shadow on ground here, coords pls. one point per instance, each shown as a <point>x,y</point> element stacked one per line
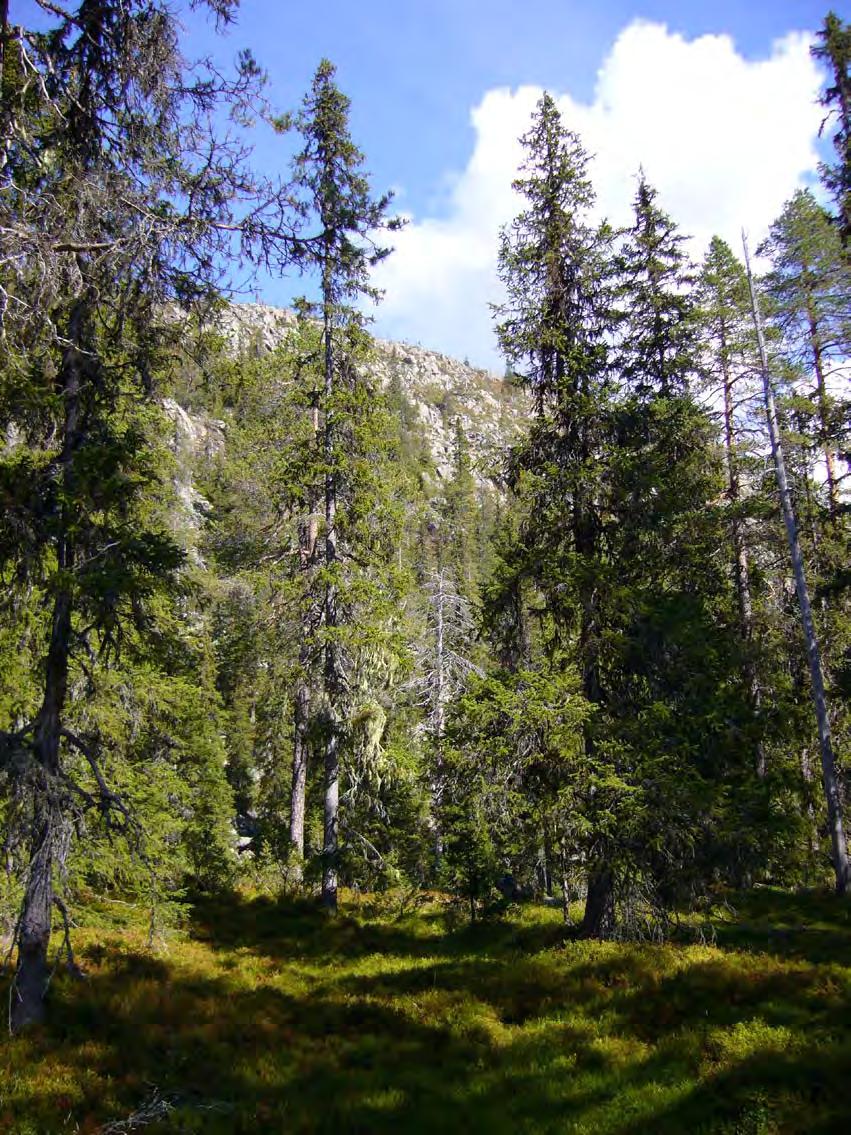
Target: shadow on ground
<point>289,1023</point>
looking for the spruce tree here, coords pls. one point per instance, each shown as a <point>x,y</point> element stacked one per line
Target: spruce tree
<point>656,352</point>
<point>672,643</point>
<point>553,330</point>
<point>329,176</point>
<point>110,219</point>
<point>833,47</point>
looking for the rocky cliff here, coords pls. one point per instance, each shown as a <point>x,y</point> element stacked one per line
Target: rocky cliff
<point>440,390</point>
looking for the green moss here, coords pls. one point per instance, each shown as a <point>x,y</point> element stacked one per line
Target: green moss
<point>266,1016</point>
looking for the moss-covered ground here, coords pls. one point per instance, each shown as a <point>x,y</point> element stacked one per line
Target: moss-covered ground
<point>266,1016</point>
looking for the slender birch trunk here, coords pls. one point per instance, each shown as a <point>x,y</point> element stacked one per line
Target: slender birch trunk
<point>440,699</point>
<point>815,345</point>
<point>829,776</point>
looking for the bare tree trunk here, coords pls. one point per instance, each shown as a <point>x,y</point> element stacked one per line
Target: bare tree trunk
<point>302,699</point>
<point>829,777</point>
<point>301,716</point>
<point>440,700</point>
<point>565,884</point>
<point>332,666</point>
<point>821,391</point>
<point>741,567</point>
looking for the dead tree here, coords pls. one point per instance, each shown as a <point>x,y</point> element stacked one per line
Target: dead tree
<point>830,779</point>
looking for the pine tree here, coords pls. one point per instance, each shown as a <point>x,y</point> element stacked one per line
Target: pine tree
<point>724,311</point>
<point>809,287</point>
<point>832,791</point>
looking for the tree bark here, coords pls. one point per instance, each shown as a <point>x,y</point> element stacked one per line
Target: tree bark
<point>741,566</point>
<point>565,885</point>
<point>302,699</point>
<point>31,975</point>
<point>821,392</point>
<point>599,915</point>
<point>829,775</point>
<point>332,666</point>
<point>301,717</point>
<point>598,920</point>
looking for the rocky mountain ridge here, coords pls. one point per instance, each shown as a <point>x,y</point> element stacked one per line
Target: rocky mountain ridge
<point>443,392</point>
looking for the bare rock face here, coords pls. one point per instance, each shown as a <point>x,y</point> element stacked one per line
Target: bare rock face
<point>443,392</point>
<point>441,395</point>
<point>254,327</point>
<point>195,438</point>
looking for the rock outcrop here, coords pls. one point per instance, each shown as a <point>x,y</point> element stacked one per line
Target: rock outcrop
<point>441,391</point>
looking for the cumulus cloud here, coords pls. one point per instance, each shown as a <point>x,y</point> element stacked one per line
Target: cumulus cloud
<point>725,140</point>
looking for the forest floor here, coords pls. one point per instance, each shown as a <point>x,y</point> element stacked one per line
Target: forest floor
<point>267,1017</point>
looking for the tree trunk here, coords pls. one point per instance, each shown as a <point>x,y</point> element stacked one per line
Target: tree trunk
<point>332,666</point>
<point>5,108</point>
<point>821,392</point>
<point>30,983</point>
<point>302,699</point>
<point>439,716</point>
<point>332,804</point>
<point>741,567</point>
<point>299,785</point>
<point>598,920</point>
<point>565,885</point>
<point>829,776</point>
<point>546,863</point>
<point>32,973</point>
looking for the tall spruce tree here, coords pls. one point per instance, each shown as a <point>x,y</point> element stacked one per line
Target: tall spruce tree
<point>656,353</point>
<point>833,47</point>
<point>553,331</point>
<point>329,175</point>
<point>116,208</point>
<point>673,643</point>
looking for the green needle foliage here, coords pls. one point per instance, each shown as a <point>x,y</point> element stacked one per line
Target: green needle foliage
<point>297,611</point>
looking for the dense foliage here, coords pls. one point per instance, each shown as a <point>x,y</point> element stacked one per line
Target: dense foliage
<point>250,631</point>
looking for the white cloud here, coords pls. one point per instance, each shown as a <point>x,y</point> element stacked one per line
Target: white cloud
<point>725,140</point>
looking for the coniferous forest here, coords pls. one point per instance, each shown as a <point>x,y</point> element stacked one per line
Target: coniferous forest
<point>347,788</point>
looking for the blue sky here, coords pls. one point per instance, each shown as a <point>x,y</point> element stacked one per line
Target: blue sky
<point>440,90</point>
<point>415,69</point>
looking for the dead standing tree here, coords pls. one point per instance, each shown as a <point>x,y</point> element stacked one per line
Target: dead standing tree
<point>828,763</point>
